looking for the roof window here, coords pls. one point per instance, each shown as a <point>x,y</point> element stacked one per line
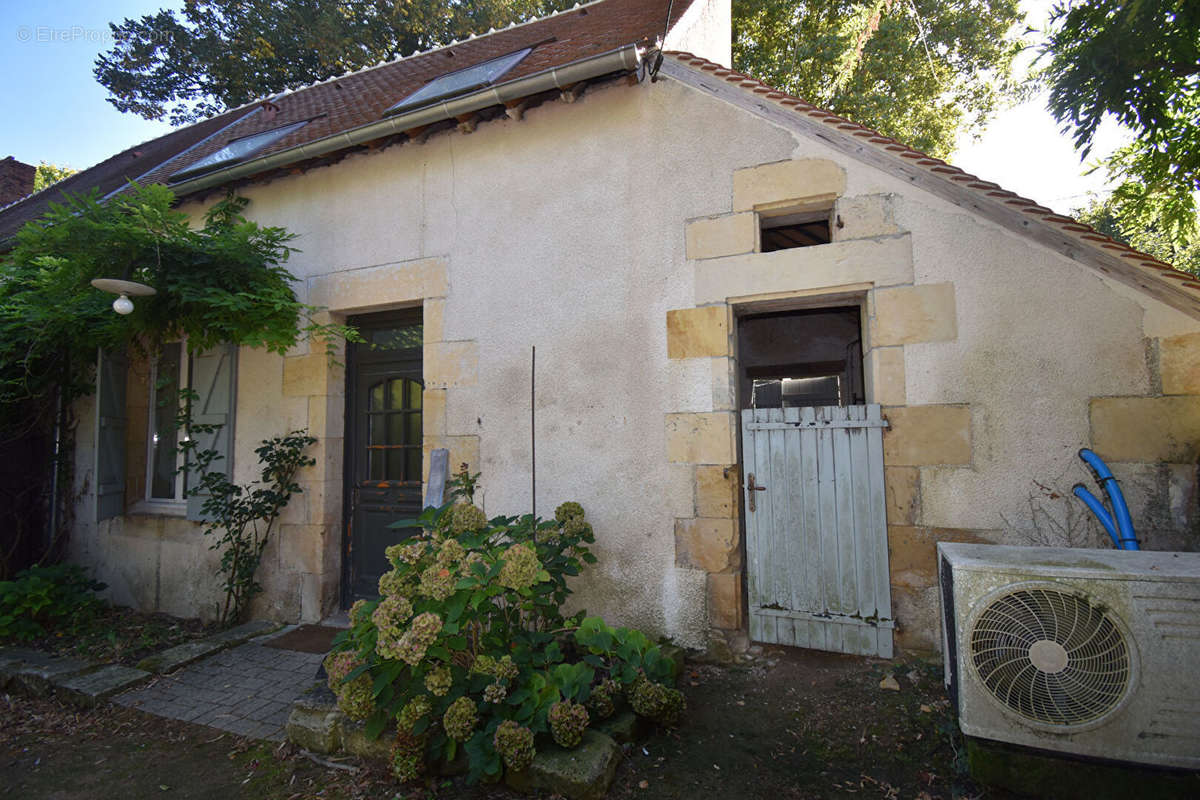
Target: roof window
<point>237,150</point>
<point>460,82</point>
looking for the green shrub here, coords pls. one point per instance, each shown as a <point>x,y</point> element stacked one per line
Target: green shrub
<point>467,647</point>
<point>41,600</point>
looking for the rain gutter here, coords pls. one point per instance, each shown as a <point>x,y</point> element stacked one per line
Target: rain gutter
<point>625,58</point>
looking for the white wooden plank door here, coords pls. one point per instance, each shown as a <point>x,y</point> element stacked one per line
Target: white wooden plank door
<point>816,531</point>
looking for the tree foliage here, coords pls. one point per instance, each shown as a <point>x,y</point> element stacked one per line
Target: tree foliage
<point>224,282</point>
<point>917,70</point>
<point>219,54</point>
<point>1138,63</point>
<point>1181,250</point>
<point>50,174</point>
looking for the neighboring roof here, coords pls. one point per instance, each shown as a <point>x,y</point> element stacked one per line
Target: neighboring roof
<point>1074,239</point>
<point>112,174</point>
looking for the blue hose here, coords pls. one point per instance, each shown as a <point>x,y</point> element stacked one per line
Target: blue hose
<point>1118,524</point>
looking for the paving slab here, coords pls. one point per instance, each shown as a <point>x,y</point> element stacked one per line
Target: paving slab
<point>93,688</point>
<point>247,690</point>
<point>187,653</point>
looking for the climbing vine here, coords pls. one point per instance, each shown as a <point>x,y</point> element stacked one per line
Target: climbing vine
<point>222,281</point>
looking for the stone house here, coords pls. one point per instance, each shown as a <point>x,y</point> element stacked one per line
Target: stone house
<point>778,356</point>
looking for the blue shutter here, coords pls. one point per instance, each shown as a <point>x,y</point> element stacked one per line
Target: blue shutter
<point>110,435</point>
<point>214,379</point>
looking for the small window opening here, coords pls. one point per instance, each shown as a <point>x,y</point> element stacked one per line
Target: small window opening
<point>786,231</point>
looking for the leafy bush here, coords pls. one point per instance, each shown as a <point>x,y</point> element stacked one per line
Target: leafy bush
<point>468,648</point>
<point>44,599</point>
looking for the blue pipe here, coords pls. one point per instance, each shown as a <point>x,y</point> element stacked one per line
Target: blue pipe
<point>1123,537</point>
<point>1089,500</point>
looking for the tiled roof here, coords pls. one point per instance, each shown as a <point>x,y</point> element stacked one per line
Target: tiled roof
<point>360,98</point>
<point>113,173</point>
<point>1150,267</point>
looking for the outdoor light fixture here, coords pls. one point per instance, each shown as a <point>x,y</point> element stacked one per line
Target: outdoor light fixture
<point>123,305</point>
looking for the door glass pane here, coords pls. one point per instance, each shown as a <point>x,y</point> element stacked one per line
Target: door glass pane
<point>164,435</point>
<point>412,463</point>
<point>401,337</point>
<point>396,393</point>
<point>376,429</point>
<point>395,429</point>
<point>395,464</point>
<point>375,468</point>
<point>375,401</point>
<point>413,428</point>
<point>414,394</point>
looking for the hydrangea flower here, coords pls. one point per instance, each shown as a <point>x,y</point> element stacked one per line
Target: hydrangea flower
<point>408,756</point>
<point>601,702</point>
<point>495,693</point>
<point>514,743</point>
<point>391,615</point>
<point>413,712</point>
<point>521,567</point>
<point>577,527</point>
<point>405,552</point>
<point>467,518</point>
<point>438,681</point>
<point>655,701</point>
<point>483,665</point>
<point>568,720</point>
<point>460,718</point>
<point>358,612</point>
<point>568,510</point>
<point>506,669</point>
<point>392,583</point>
<point>426,627</point>
<point>437,582</point>
<point>449,552</point>
<point>340,664</point>
<point>356,697</point>
<point>472,558</point>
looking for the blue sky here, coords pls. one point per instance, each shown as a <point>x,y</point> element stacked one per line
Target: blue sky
<point>58,113</point>
<point>55,109</point>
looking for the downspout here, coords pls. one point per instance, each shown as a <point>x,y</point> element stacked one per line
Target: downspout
<point>623,59</point>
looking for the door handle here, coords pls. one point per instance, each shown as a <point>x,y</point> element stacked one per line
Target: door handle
<point>752,488</point>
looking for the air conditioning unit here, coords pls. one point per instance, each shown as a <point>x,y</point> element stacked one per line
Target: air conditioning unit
<point>1088,652</point>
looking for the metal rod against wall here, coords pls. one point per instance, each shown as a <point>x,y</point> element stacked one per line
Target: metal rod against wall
<point>533,429</point>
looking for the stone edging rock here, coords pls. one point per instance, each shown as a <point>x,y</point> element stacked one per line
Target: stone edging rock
<point>87,684</point>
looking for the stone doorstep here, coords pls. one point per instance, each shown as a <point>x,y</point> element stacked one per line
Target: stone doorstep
<point>90,689</point>
<point>181,655</point>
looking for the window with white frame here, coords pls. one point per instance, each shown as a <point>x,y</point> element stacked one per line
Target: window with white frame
<point>166,480</point>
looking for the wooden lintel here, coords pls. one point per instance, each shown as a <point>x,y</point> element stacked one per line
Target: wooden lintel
<point>418,134</point>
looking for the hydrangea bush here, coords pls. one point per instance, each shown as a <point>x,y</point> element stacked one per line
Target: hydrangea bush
<point>467,648</point>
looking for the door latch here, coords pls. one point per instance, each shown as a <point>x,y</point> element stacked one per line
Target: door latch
<point>752,488</point>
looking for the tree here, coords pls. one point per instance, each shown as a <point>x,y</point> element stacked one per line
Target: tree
<point>220,54</point>
<point>917,70</point>
<point>1138,63</point>
<point>50,174</point>
<point>1180,250</point>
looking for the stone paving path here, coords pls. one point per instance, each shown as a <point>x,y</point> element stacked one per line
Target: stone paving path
<point>247,690</point>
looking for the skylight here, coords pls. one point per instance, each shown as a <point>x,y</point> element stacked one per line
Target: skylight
<point>462,81</point>
<point>238,150</point>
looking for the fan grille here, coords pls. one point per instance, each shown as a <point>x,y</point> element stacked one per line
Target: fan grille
<point>1051,657</point>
